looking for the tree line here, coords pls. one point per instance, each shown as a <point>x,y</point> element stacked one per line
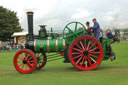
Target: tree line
<point>9,23</point>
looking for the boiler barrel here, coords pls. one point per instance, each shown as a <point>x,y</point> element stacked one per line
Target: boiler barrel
<point>50,45</point>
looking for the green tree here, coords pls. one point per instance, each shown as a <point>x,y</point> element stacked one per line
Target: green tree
<point>125,30</point>
<point>9,23</point>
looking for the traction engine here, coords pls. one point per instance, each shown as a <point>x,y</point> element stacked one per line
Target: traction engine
<point>77,46</point>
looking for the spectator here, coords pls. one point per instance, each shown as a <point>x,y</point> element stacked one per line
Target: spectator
<point>14,46</point>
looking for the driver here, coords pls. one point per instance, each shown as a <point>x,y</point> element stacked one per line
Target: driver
<point>96,29</point>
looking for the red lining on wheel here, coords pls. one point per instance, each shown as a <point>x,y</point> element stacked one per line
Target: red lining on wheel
<point>30,62</point>
<point>85,60</point>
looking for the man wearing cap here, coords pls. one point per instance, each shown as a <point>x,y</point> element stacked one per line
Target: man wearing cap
<point>96,29</point>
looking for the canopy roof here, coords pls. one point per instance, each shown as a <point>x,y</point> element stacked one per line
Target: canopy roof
<point>19,34</point>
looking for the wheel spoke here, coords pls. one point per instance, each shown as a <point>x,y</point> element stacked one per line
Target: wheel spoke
<point>91,45</point>
<point>30,58</point>
<point>69,29</point>
<point>19,61</point>
<point>93,49</point>
<point>29,64</point>
<point>88,44</point>
<point>85,44</point>
<point>76,56</point>
<point>22,66</point>
<point>93,55</point>
<point>76,53</point>
<point>86,63</point>
<point>82,45</point>
<point>22,55</point>
<point>26,67</point>
<point>92,59</point>
<point>79,60</point>
<point>21,58</point>
<point>78,46</point>
<point>77,49</point>
<point>82,61</point>
<point>31,61</point>
<point>94,52</point>
<point>89,61</point>
<point>76,27</point>
<point>26,56</point>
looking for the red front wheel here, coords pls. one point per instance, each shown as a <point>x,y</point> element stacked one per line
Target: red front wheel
<point>25,61</point>
<point>85,53</point>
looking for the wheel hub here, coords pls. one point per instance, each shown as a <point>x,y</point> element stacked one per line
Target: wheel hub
<point>24,62</point>
<point>85,53</point>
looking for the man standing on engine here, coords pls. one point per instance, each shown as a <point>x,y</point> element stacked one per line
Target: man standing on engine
<point>96,29</point>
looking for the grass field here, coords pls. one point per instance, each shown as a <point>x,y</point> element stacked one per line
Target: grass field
<point>59,73</point>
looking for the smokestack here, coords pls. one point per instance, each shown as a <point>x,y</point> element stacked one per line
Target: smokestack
<point>30,22</point>
<point>30,36</point>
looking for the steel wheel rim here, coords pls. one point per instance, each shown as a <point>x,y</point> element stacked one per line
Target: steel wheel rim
<point>24,61</point>
<point>85,56</point>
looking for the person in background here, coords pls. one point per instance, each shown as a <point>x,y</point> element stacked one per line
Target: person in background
<point>14,46</point>
<point>96,29</point>
<point>21,46</point>
<point>109,34</point>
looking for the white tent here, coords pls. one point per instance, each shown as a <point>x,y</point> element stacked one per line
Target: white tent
<point>19,34</point>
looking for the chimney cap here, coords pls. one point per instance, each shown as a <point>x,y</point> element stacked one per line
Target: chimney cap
<point>30,13</point>
<point>42,25</point>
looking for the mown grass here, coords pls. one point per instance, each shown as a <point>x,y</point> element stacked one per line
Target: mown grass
<point>59,73</point>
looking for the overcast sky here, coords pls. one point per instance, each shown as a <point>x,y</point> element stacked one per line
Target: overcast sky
<point>57,13</point>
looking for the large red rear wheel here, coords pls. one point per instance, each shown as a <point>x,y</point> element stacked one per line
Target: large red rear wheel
<point>25,61</point>
<point>85,53</point>
<point>41,60</point>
